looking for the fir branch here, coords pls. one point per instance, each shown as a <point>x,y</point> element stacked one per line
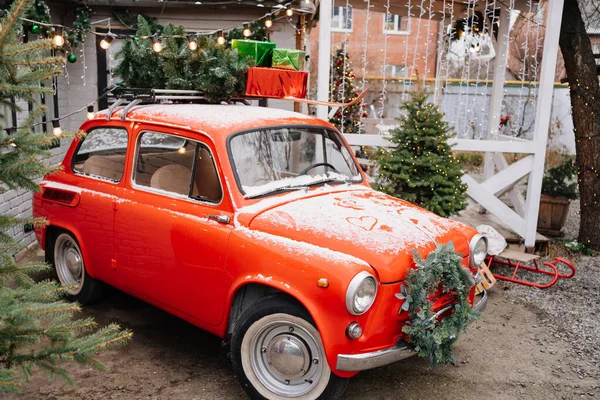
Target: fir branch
<point>12,20</point>
<point>25,48</point>
<point>45,61</point>
<point>17,90</point>
<point>33,115</point>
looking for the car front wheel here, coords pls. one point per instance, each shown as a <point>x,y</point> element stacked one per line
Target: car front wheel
<point>277,353</point>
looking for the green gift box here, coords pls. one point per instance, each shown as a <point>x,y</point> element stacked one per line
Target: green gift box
<point>288,59</point>
<point>261,52</point>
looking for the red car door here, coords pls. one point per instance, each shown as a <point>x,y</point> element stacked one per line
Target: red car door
<point>171,231</point>
<point>98,165</point>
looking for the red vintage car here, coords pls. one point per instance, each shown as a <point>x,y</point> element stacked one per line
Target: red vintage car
<point>255,224</point>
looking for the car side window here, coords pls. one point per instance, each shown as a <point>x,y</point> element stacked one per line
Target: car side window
<point>206,179</point>
<point>164,162</point>
<point>102,154</point>
<point>176,165</point>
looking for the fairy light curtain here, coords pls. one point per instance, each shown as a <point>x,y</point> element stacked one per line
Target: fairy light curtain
<point>451,48</point>
<point>468,57</point>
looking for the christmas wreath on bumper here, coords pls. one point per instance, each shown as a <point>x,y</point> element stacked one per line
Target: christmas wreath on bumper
<point>429,337</point>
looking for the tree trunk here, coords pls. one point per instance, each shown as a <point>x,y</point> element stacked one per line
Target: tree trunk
<point>585,102</point>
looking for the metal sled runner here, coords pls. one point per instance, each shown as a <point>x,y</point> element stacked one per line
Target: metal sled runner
<point>529,262</point>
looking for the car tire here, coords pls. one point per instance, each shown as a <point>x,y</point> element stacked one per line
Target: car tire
<point>269,326</point>
<point>65,255</point>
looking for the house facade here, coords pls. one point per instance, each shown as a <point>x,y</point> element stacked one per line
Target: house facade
<point>83,81</point>
<point>389,35</point>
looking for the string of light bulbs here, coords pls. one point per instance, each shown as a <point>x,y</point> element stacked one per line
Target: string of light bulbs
<point>56,128</point>
<point>58,39</point>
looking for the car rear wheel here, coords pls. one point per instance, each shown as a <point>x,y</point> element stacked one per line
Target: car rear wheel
<point>277,353</point>
<point>71,272</point>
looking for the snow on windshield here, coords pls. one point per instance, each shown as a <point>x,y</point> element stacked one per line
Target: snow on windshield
<point>271,159</point>
<point>302,180</point>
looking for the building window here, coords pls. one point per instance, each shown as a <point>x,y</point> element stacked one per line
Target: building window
<point>394,24</point>
<point>341,19</point>
<point>396,71</point>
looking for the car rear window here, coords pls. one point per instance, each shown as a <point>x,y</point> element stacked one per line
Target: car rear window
<point>101,154</point>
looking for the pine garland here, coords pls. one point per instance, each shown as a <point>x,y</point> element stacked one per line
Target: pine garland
<point>213,69</point>
<point>429,337</point>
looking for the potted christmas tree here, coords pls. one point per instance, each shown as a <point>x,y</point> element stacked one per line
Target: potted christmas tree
<point>558,189</point>
<point>420,167</point>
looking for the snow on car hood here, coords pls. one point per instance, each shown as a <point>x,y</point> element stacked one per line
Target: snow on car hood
<point>369,225</point>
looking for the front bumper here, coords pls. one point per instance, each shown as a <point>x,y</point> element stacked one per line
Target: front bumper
<point>481,304</point>
<point>363,361</point>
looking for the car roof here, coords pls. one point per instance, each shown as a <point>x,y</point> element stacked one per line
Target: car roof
<point>215,120</point>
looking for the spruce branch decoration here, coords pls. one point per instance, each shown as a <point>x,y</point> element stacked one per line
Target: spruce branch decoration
<point>440,274</point>
<point>37,329</point>
<point>213,69</point>
<point>420,167</point>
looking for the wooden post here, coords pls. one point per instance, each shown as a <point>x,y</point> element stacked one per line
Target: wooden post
<point>542,118</point>
<point>497,87</point>
<point>325,7</point>
<point>300,46</point>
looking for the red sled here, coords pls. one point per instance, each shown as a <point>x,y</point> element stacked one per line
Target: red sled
<point>519,261</point>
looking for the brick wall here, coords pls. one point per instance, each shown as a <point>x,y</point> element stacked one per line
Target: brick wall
<point>417,50</point>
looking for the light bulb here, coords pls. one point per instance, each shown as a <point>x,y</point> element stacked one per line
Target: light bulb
<point>105,42</point>
<point>268,22</point>
<point>181,150</point>
<point>192,43</point>
<point>90,112</point>
<point>289,12</point>
<point>156,44</point>
<point>58,39</point>
<point>220,38</point>
<point>56,129</point>
<point>247,32</point>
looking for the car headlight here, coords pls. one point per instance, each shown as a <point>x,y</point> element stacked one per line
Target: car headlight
<point>361,293</point>
<point>478,247</point>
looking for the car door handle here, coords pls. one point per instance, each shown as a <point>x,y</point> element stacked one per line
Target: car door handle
<point>222,219</point>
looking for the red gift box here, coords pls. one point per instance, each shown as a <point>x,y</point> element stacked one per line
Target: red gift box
<point>276,83</point>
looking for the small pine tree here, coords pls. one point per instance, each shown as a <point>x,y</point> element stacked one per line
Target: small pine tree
<point>36,325</point>
<point>343,90</point>
<point>421,167</point>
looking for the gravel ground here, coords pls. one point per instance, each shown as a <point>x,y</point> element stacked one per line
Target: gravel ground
<point>529,344</point>
<point>570,308</point>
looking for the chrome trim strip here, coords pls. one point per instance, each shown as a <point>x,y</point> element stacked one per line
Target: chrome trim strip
<point>361,362</point>
<point>480,306</point>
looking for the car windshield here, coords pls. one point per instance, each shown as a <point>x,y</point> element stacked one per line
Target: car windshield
<point>274,160</point>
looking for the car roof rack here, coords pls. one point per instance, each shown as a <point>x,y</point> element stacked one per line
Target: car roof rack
<point>130,97</point>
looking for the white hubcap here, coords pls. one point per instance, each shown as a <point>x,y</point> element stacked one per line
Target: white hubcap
<point>283,358</point>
